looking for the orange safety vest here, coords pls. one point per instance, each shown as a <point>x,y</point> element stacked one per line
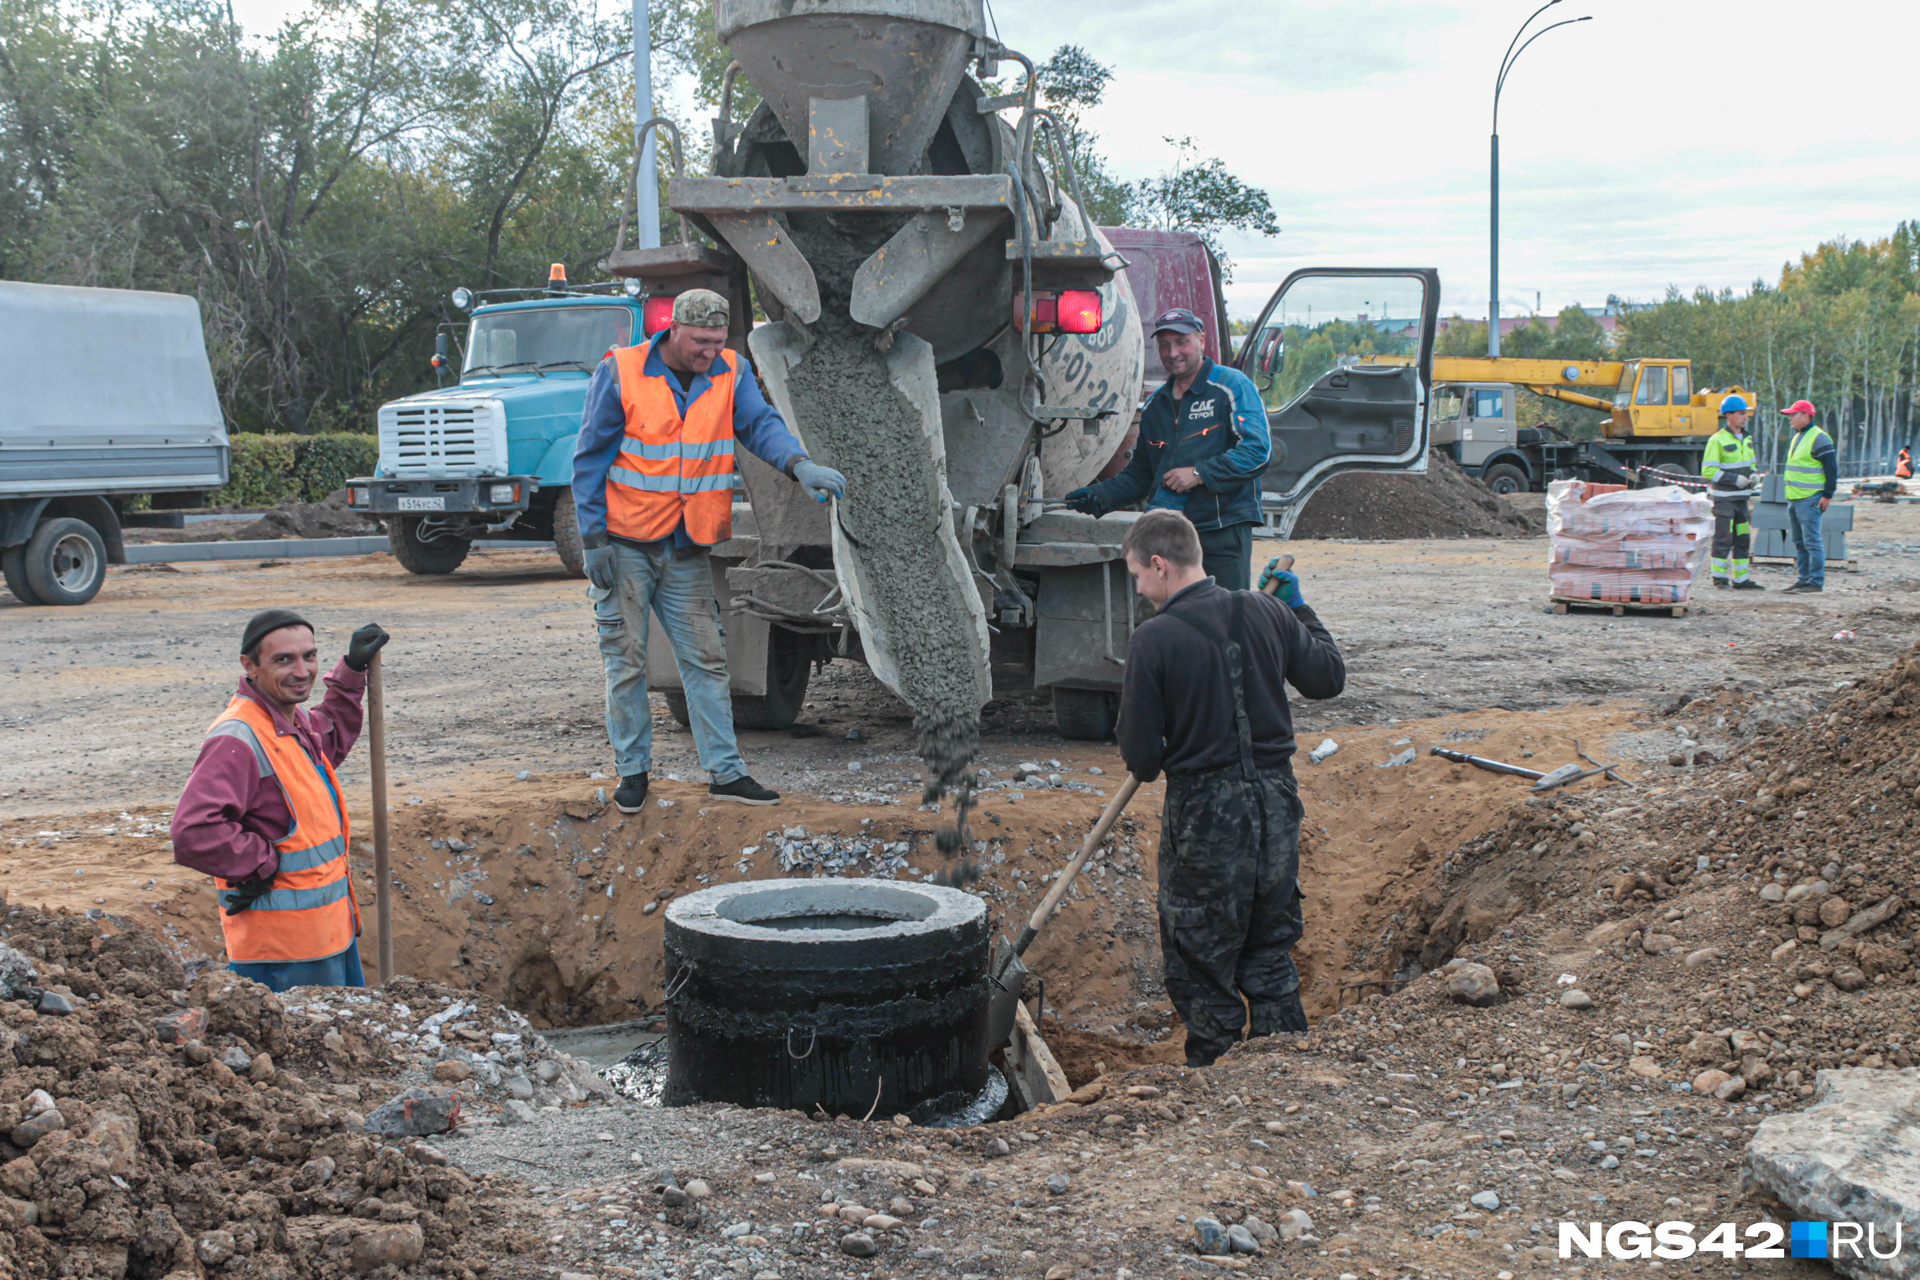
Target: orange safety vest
<point>1905,470</point>
<point>672,469</point>
<point>309,914</point>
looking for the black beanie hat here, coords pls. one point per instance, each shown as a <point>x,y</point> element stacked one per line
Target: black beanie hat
<point>265,622</point>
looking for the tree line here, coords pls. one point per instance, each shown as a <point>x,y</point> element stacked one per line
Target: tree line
<point>321,189</point>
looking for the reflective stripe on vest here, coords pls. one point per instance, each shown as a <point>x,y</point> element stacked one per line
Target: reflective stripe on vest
<point>672,469</point>
<point>1804,474</point>
<point>1727,454</point>
<point>309,914</point>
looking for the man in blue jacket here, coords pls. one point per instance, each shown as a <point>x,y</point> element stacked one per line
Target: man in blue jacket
<point>1203,444</point>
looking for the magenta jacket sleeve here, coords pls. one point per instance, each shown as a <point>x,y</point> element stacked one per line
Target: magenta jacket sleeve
<point>335,723</point>
<point>218,828</point>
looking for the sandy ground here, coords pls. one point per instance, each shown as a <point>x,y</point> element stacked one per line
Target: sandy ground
<point>537,893</point>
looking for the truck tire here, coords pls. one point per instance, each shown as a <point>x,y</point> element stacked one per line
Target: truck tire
<point>66,561</point>
<point>566,536</point>
<point>442,555</point>
<point>13,562</point>
<point>1505,479</point>
<point>788,670</point>
<point>1085,715</point>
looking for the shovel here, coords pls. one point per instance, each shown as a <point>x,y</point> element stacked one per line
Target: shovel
<point>1007,973</point>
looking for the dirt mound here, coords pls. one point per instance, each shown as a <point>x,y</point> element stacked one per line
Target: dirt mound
<point>330,519</point>
<point>1445,502</point>
<point>124,1155</point>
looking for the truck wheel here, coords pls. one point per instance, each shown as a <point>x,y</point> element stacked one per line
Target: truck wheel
<point>1650,480</point>
<point>442,554</point>
<point>566,536</point>
<point>1505,479</point>
<point>788,668</point>
<point>13,561</point>
<point>65,561</point>
<point>1085,715</point>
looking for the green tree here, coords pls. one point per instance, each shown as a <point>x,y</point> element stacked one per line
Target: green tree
<point>1204,197</point>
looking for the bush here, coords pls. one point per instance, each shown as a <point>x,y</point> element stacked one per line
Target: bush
<point>270,469</point>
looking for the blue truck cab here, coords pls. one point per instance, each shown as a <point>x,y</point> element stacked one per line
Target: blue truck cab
<point>491,457</point>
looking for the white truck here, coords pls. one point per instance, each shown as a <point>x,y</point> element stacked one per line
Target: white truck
<point>112,398</point>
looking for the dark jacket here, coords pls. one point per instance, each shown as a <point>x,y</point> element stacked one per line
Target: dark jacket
<point>1219,428</point>
<point>1176,709</point>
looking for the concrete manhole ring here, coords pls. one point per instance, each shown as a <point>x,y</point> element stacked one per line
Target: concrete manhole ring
<point>828,992</point>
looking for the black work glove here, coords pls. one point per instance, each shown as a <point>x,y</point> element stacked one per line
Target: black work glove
<point>1085,501</point>
<point>365,643</point>
<point>246,893</point>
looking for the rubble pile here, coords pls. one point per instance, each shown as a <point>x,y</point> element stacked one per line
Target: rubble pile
<point>153,1127</point>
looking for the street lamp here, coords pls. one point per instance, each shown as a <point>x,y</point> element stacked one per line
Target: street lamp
<point>1506,65</point>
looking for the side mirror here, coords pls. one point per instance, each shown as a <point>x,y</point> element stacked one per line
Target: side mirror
<point>440,356</point>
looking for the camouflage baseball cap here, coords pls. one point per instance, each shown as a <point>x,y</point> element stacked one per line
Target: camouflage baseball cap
<point>701,308</point>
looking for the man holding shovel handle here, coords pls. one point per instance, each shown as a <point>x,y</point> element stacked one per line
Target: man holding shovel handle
<point>1205,702</point>
<point>263,812</point>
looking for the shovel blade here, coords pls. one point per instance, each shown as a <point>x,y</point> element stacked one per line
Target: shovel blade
<point>1004,979</point>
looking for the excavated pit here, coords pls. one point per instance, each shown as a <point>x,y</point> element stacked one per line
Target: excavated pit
<point>855,996</point>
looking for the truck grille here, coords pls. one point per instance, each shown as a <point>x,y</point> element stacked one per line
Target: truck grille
<point>444,438</point>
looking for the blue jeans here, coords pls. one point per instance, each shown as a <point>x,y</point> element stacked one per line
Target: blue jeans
<point>342,970</point>
<point>680,594</point>
<point>1809,540</point>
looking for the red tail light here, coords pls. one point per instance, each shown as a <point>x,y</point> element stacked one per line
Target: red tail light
<point>655,315</point>
<point>1065,311</point>
<point>1079,311</point>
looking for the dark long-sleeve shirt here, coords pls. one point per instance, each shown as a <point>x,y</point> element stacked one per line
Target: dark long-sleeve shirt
<point>1176,708</point>
<point>230,816</point>
<point>757,425</point>
<point>1825,454</point>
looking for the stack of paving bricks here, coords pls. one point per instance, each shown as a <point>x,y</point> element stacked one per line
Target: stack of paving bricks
<point>1609,543</point>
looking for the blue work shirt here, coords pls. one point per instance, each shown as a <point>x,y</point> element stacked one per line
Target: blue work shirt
<point>1219,428</point>
<point>603,425</point>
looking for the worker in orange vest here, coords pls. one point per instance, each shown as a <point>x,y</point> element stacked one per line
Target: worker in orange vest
<point>653,489</point>
<point>263,814</point>
<point>1903,469</point>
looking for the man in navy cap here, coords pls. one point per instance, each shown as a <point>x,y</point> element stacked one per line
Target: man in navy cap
<point>1203,444</point>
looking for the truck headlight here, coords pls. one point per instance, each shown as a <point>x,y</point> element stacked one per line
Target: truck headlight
<point>504,493</point>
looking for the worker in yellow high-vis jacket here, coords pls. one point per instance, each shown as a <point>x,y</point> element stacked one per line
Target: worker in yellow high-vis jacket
<point>1729,463</point>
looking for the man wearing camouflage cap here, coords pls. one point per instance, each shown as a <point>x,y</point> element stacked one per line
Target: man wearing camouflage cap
<point>653,486</point>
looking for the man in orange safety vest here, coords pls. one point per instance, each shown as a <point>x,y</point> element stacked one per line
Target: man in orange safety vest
<point>263,813</point>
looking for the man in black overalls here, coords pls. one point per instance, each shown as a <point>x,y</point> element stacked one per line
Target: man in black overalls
<point>1206,701</point>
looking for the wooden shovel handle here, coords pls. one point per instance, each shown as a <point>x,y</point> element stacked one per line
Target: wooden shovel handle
<point>1110,816</point>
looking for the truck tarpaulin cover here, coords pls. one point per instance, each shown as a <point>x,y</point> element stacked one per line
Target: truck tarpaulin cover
<point>1635,546</point>
<point>107,388</point>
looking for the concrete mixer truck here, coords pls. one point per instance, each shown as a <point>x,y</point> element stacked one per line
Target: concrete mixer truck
<point>950,331</point>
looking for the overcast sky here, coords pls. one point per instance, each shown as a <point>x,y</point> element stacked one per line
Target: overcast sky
<point>1666,142</point>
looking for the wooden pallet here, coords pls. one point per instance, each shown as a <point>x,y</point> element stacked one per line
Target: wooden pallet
<point>1849,566</point>
<point>1566,604</point>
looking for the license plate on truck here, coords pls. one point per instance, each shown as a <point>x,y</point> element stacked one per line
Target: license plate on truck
<point>423,504</point>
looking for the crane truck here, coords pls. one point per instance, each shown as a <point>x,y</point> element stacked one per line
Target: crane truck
<point>1657,420</point>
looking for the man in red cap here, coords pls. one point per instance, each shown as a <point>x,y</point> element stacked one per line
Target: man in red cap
<point>1812,474</point>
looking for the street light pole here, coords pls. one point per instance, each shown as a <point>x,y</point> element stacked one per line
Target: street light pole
<point>646,184</point>
<point>1493,185</point>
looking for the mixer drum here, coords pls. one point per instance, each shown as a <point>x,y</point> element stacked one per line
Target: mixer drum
<point>905,56</point>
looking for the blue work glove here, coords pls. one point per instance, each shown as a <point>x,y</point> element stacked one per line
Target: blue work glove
<point>1085,501</point>
<point>600,567</point>
<point>1282,584</point>
<point>819,481</point>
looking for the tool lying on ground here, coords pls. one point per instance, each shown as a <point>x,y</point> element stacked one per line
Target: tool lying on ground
<point>1565,774</point>
<point>1006,973</point>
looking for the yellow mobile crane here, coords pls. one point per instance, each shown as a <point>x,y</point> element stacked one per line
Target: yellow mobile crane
<point>1656,418</point>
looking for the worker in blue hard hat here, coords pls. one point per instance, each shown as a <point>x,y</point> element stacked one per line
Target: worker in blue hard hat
<point>1729,464</point>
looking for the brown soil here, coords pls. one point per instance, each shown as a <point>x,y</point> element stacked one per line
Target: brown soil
<point>332,518</point>
<point>1445,502</point>
<point>169,1163</point>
